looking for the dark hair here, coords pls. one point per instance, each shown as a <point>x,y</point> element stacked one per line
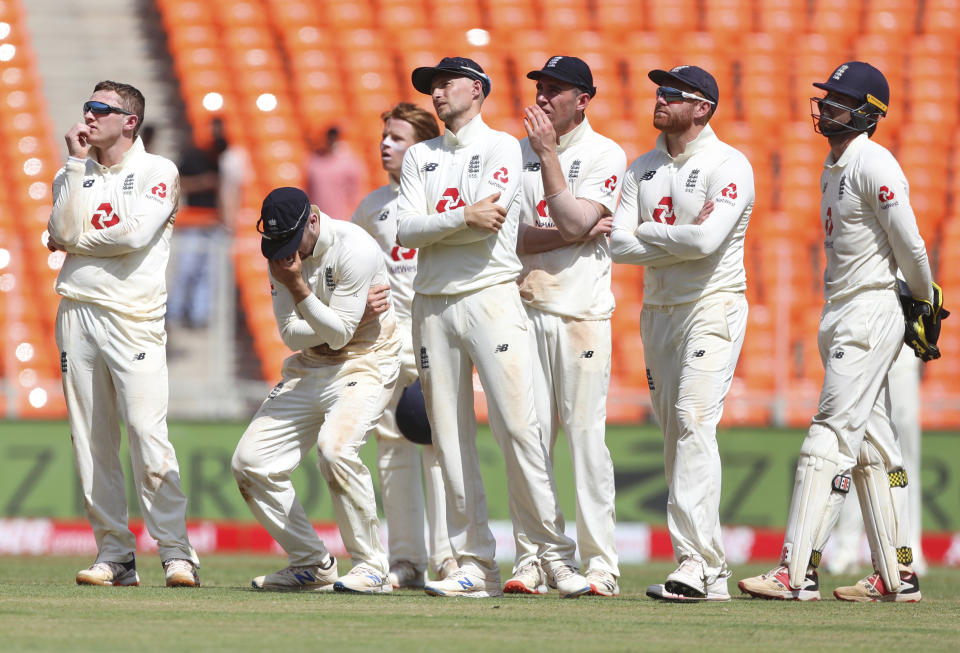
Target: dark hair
<point>131,99</point>
<point>424,124</point>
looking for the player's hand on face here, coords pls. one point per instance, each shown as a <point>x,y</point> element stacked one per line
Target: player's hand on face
<point>704,212</point>
<point>287,271</point>
<point>78,144</point>
<point>53,245</point>
<point>543,137</point>
<point>603,227</point>
<point>378,301</point>
<point>485,214</point>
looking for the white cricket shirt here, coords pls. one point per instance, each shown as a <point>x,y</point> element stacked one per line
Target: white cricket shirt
<point>654,224</point>
<point>377,214</point>
<point>869,227</point>
<point>440,177</point>
<point>326,326</point>
<point>573,281</point>
<point>116,225</point>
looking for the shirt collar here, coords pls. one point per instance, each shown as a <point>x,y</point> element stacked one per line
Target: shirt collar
<point>848,153</point>
<point>704,139</point>
<point>134,150</point>
<point>325,235</point>
<point>470,132</point>
<point>575,135</point>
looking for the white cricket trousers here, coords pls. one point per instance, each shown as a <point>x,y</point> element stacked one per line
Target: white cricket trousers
<point>691,351</point>
<point>571,384</point>
<point>115,368</point>
<point>332,407</point>
<point>488,329</point>
<point>403,492</point>
<point>904,393</point>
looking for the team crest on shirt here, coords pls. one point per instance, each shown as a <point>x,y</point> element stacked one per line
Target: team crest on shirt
<point>328,278</point>
<point>886,197</point>
<point>691,184</point>
<point>843,186</point>
<point>424,360</point>
<point>128,184</point>
<point>473,168</point>
<point>574,171</point>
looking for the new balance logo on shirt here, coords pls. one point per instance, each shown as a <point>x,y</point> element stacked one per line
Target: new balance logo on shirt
<point>429,167</point>
<point>501,348</point>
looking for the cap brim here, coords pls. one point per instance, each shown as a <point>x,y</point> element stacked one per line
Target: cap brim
<point>660,77</point>
<point>276,250</point>
<point>423,77</point>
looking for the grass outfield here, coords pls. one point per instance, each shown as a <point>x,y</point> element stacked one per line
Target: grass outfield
<point>41,609</point>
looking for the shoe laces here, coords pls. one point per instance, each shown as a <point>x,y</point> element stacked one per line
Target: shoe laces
<point>178,564</point>
<point>113,568</point>
<point>563,572</point>
<point>363,569</point>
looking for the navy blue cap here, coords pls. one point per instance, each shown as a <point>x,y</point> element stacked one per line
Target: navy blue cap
<point>862,82</point>
<point>567,69</point>
<point>283,217</point>
<point>693,76</point>
<point>423,76</point>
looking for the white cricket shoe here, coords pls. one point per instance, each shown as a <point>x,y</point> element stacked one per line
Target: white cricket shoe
<point>467,583</point>
<point>116,574</point>
<point>406,575</point>
<point>688,579</point>
<point>363,579</point>
<point>529,579</point>
<point>602,583</point>
<point>872,588</point>
<point>447,568</point>
<point>181,573</point>
<point>775,584</point>
<point>568,581</point>
<point>309,578</point>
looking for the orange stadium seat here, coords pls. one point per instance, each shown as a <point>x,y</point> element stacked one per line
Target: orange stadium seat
<point>941,17</point>
<point>178,14</point>
<point>729,18</point>
<point>293,14</point>
<point>348,14</point>
<point>615,17</point>
<point>505,16</point>
<point>395,16</point>
<point>839,21</point>
<point>673,19</point>
<point>453,17</point>
<point>895,17</point>
<point>782,17</point>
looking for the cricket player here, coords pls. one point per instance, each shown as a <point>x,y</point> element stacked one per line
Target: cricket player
<point>113,211</point>
<point>571,179</point>
<point>333,392</point>
<point>869,233</point>
<point>683,214</point>
<point>459,206</point>
<point>399,459</point>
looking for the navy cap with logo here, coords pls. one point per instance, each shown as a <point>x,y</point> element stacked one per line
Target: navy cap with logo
<point>423,76</point>
<point>567,69</point>
<point>862,82</point>
<point>283,217</point>
<point>693,76</point>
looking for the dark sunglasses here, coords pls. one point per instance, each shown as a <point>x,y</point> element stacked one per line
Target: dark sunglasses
<point>671,94</point>
<point>286,233</point>
<point>102,109</point>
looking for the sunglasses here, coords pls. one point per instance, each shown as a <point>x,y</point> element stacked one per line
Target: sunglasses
<point>102,109</point>
<point>671,95</point>
<point>286,233</point>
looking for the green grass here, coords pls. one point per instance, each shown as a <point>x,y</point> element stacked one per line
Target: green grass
<point>42,610</point>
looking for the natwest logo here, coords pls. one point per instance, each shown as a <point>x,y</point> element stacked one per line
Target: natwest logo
<point>450,200</point>
<point>885,194</point>
<point>730,191</point>
<point>664,211</point>
<point>104,216</point>
<point>611,183</point>
<point>160,190</point>
<point>828,224</point>
<point>542,208</point>
<point>502,176</point>
<point>402,253</point>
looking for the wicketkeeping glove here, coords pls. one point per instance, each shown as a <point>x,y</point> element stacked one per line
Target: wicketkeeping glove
<point>922,320</point>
